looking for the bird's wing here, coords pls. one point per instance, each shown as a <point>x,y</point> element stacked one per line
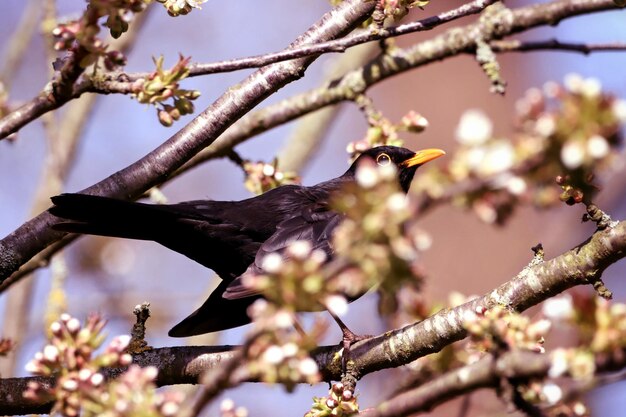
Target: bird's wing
<point>314,225</point>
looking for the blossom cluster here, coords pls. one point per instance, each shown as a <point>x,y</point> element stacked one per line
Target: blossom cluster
<point>569,131</point>
<point>84,31</point>
<point>162,85</point>
<point>377,239</point>
<point>180,7</point>
<point>498,329</point>
<point>383,131</point>
<point>390,10</point>
<point>134,394</point>
<point>294,279</point>
<point>340,402</point>
<point>70,356</point>
<point>375,245</point>
<point>278,354</point>
<point>263,176</point>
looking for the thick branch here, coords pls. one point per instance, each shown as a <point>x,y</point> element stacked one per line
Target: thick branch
<point>579,266</point>
<point>154,168</point>
<point>486,373</point>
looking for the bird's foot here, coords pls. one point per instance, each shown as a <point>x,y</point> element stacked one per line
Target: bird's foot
<point>349,338</point>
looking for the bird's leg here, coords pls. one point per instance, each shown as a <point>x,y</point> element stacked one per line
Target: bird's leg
<point>349,338</point>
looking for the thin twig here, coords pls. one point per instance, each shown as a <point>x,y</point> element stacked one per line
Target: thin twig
<point>339,45</point>
<point>555,45</point>
<point>112,84</point>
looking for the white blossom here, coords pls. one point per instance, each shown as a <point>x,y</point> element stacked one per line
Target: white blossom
<point>272,262</point>
<point>96,379</point>
<point>283,320</point>
<point>73,325</point>
<point>597,147</point>
<point>591,88</point>
<point>366,176</point>
<point>300,249</point>
<point>619,110</point>
<point>552,393</point>
<point>516,185</point>
<point>227,405</point>
<point>268,170</point>
<point>336,304</point>
<point>308,367</point>
<point>273,354</point>
<point>474,128</point>
<point>422,241</point>
<point>558,308</point>
<point>572,154</point>
<point>475,157</point>
<point>290,349</point>
<point>551,89</point>
<point>70,385</point>
<point>545,125</point>
<point>560,364</point>
<point>500,157</point>
<point>84,374</point>
<point>397,202</point>
<point>50,353</point>
<point>573,82</point>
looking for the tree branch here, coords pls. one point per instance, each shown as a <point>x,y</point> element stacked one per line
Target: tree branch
<point>154,168</point>
<point>488,372</point>
<point>339,45</point>
<point>534,284</point>
<point>111,83</point>
<point>452,42</point>
<point>555,45</point>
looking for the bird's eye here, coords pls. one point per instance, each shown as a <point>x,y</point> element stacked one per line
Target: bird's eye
<point>383,159</point>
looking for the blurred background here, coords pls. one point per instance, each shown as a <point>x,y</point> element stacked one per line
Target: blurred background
<point>467,255</point>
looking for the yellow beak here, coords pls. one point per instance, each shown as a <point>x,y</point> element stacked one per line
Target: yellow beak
<point>421,157</point>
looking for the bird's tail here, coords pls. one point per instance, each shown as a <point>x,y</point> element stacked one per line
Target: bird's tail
<point>95,215</point>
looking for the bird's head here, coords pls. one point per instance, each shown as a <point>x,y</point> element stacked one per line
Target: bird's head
<point>405,160</point>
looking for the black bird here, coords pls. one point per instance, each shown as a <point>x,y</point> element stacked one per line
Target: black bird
<point>229,236</point>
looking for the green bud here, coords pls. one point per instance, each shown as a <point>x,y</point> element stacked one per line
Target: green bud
<point>185,106</point>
